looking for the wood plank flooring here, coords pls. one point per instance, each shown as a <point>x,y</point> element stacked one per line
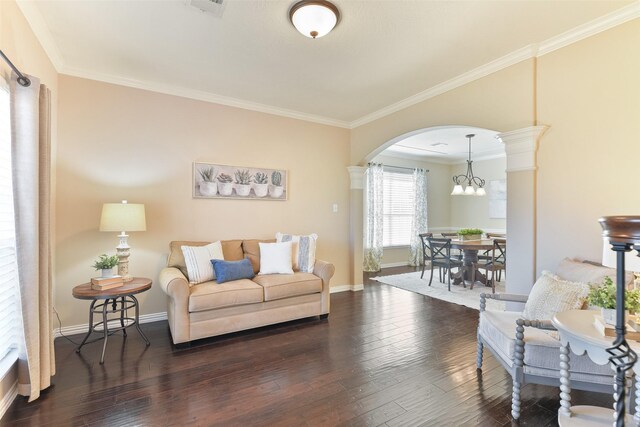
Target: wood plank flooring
<point>384,356</point>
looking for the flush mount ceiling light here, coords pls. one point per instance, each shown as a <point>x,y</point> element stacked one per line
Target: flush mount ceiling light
<point>468,179</point>
<point>314,18</point>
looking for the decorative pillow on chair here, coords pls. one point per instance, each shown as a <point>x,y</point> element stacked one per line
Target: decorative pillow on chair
<point>198,261</point>
<point>551,295</point>
<point>275,258</point>
<point>227,271</point>
<point>303,250</point>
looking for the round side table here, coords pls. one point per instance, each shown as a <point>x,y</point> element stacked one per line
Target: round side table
<point>578,333</point>
<point>115,300</point>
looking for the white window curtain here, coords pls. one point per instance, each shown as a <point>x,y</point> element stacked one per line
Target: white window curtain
<point>419,220</point>
<point>31,159</point>
<point>374,218</point>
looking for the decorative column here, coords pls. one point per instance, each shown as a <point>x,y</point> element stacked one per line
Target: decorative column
<point>521,147</point>
<point>356,224</point>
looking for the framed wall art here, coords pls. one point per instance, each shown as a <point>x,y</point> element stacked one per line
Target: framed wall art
<point>213,181</point>
<point>498,199</point>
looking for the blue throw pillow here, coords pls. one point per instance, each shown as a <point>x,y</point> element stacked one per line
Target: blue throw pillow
<point>227,271</point>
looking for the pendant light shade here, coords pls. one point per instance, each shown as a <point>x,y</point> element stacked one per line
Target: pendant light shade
<point>314,18</point>
<point>474,185</point>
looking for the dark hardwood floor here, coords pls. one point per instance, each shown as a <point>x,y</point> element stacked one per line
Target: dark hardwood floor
<point>383,357</point>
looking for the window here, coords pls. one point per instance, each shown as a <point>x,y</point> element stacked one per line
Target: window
<point>398,201</point>
<point>9,320</point>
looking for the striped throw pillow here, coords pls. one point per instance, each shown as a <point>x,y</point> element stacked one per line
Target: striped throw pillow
<point>303,250</point>
<point>198,261</point>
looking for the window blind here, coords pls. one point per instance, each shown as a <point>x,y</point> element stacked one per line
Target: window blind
<point>398,201</point>
<point>9,321</point>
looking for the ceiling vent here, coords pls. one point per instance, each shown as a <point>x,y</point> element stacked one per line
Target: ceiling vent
<point>212,7</point>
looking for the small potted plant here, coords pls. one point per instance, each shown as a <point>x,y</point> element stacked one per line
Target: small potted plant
<point>470,234</point>
<point>276,188</point>
<point>225,184</point>
<point>106,264</point>
<point>243,182</point>
<point>604,296</point>
<point>261,184</point>
<point>208,186</point>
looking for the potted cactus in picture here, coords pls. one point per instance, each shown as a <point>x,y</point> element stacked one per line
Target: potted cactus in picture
<point>208,186</point>
<point>225,184</point>
<point>261,184</point>
<point>243,182</point>
<point>276,188</point>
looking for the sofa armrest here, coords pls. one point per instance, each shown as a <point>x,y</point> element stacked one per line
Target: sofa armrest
<point>501,297</point>
<point>324,270</point>
<point>540,324</point>
<point>177,288</point>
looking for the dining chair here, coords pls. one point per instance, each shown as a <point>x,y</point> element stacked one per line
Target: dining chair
<point>456,252</point>
<point>486,255</point>
<point>439,252</point>
<point>497,263</point>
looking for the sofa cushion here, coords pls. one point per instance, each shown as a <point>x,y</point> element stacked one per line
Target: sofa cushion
<point>227,271</point>
<point>303,252</point>
<point>198,260</point>
<point>278,286</point>
<point>211,295</point>
<point>550,295</point>
<point>275,258</point>
<point>232,250</point>
<point>251,249</point>
<point>541,350</point>
<point>587,272</point>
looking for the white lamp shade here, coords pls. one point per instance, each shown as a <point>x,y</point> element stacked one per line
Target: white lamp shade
<point>469,191</point>
<point>314,20</point>
<point>123,217</point>
<point>457,190</point>
<point>609,258</point>
<point>481,192</point>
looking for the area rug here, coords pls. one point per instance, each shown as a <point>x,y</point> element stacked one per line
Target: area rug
<point>458,295</point>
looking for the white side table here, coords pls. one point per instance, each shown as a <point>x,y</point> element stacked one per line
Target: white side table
<point>578,334</point>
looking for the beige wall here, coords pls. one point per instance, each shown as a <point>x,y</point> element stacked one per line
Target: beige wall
<point>19,43</point>
<point>122,143</point>
<point>589,95</point>
<point>473,212</point>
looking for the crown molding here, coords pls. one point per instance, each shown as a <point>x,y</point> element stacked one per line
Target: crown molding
<point>521,146</point>
<point>591,28</point>
<point>202,96</point>
<point>35,20</point>
<point>508,60</point>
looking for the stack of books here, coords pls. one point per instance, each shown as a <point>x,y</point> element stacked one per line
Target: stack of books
<point>632,328</point>
<point>103,283</point>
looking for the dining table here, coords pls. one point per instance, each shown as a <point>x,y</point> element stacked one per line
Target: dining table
<point>470,272</point>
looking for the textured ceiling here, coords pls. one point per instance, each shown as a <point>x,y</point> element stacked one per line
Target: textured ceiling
<point>380,53</point>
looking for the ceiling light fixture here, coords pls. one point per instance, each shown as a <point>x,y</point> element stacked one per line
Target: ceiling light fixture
<point>314,18</point>
<point>469,179</point>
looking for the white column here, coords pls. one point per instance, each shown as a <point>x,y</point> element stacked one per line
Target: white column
<point>356,217</point>
<point>521,147</point>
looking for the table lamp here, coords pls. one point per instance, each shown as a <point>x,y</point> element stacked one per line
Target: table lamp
<point>623,236</point>
<point>123,217</point>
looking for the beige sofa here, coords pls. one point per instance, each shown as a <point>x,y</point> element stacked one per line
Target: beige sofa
<point>209,309</point>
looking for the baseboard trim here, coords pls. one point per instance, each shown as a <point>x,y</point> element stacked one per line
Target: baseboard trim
<point>345,288</point>
<point>8,399</point>
<point>394,264</point>
<point>81,329</point>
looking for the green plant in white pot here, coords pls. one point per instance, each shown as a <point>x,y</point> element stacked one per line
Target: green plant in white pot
<point>225,184</point>
<point>604,296</point>
<point>106,264</point>
<point>261,184</point>
<point>470,234</point>
<point>276,188</point>
<point>243,182</point>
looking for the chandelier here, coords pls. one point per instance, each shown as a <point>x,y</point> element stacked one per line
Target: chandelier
<point>474,186</point>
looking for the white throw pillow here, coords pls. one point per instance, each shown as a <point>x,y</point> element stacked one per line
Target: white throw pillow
<point>303,251</point>
<point>198,261</point>
<point>275,258</point>
<point>551,295</point>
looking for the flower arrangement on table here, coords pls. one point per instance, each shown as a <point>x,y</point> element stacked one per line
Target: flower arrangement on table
<point>470,233</point>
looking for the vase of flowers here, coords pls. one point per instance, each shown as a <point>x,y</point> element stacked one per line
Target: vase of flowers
<point>604,296</point>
